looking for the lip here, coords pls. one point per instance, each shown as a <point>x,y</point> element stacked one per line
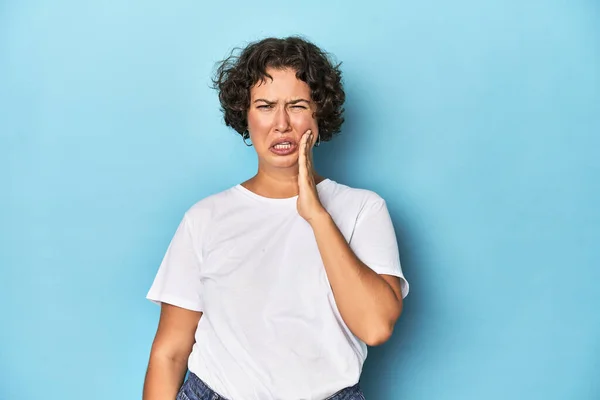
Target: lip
<point>284,152</point>
<point>283,140</point>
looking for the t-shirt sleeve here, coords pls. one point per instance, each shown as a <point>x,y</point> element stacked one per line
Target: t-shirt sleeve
<point>374,241</point>
<point>177,281</point>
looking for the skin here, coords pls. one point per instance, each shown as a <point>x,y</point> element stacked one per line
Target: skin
<point>170,351</point>
<point>369,303</point>
<point>279,108</point>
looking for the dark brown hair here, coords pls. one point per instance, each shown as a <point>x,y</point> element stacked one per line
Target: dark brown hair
<point>239,72</point>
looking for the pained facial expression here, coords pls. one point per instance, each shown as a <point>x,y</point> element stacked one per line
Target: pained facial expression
<point>281,111</point>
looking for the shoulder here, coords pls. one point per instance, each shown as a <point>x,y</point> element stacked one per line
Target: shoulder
<point>349,205</point>
<point>204,210</point>
<point>339,192</point>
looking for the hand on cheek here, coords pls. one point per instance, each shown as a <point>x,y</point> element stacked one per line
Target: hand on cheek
<point>301,123</point>
<point>308,204</point>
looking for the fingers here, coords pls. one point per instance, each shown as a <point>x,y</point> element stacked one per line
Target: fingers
<point>305,155</point>
<point>302,156</point>
<point>311,144</point>
<point>307,150</point>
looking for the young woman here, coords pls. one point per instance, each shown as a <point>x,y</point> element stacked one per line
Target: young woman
<point>273,288</point>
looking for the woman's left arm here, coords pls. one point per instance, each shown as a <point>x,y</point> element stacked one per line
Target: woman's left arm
<point>369,303</point>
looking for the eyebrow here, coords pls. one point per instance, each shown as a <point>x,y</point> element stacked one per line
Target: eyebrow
<point>296,101</point>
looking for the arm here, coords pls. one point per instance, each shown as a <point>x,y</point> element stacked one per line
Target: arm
<point>369,303</point>
<point>170,351</point>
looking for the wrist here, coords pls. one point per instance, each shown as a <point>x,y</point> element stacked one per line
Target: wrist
<point>320,218</point>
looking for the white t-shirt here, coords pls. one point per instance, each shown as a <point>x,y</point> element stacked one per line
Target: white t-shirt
<point>271,328</point>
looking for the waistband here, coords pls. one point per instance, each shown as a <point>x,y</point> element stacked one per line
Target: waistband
<point>202,390</point>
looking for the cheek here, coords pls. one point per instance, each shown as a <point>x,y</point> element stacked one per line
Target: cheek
<point>257,122</point>
<point>303,121</point>
<point>259,128</point>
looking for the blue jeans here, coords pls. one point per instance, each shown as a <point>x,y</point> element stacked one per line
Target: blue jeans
<point>195,389</point>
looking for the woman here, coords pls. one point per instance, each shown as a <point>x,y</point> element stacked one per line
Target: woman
<point>273,288</point>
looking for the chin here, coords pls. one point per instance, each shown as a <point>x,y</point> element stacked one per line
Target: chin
<point>285,163</point>
<point>282,162</point>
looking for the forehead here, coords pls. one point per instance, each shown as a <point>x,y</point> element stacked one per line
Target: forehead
<point>284,85</point>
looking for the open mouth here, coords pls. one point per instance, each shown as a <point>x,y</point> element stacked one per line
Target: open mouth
<point>283,145</point>
<point>284,148</point>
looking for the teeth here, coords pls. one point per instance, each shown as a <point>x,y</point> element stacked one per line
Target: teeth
<point>284,145</point>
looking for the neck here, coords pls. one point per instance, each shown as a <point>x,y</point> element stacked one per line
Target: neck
<point>277,183</point>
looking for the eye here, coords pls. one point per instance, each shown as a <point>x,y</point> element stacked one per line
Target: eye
<point>265,106</point>
<point>299,107</point>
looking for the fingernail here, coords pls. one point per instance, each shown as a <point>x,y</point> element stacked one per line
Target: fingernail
<point>309,132</point>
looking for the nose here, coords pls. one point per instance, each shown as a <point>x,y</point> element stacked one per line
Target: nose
<point>282,120</point>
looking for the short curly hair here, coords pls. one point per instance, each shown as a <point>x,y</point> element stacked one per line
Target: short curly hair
<point>238,73</point>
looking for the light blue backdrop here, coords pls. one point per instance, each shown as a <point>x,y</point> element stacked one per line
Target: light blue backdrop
<point>478,121</point>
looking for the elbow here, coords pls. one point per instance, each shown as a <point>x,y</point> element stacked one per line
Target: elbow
<point>382,332</point>
<point>379,336</point>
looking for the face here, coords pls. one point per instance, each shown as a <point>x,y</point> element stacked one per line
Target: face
<point>281,111</point>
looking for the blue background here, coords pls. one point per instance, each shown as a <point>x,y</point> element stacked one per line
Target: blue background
<point>478,122</point>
